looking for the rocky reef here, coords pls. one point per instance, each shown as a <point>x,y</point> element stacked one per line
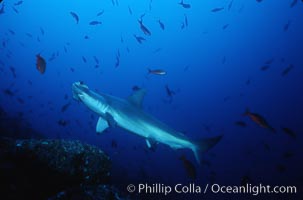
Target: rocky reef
<point>54,169</point>
<point>32,167</point>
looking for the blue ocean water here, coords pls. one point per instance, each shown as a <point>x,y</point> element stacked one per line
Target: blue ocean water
<point>222,57</point>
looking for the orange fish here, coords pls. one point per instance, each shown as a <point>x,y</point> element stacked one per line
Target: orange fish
<point>260,120</point>
<point>40,64</point>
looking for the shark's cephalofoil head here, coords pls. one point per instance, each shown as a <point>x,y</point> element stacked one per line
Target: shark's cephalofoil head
<point>79,89</point>
<point>95,102</point>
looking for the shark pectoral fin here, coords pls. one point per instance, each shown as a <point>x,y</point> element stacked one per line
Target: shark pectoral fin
<point>137,98</point>
<point>101,125</point>
<point>110,120</point>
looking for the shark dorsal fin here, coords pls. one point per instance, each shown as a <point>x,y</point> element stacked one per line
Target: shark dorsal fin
<point>137,97</point>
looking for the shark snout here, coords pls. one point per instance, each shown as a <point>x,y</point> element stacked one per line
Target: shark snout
<point>79,88</point>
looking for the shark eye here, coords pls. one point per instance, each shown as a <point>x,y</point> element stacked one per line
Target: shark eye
<point>81,82</point>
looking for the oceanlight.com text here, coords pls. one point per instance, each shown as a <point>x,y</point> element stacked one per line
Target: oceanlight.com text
<point>192,188</point>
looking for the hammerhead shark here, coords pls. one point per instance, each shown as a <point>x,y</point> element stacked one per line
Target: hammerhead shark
<point>129,115</point>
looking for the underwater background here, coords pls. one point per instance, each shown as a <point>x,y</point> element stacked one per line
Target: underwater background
<point>222,58</point>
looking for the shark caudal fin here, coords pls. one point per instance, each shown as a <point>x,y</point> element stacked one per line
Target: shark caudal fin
<point>201,146</point>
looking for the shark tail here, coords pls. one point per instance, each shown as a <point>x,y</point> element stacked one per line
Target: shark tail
<point>201,146</point>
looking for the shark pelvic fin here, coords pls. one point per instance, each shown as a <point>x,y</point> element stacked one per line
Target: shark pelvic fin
<point>151,144</point>
<point>203,145</point>
<point>137,98</point>
<point>148,143</point>
<point>101,125</point>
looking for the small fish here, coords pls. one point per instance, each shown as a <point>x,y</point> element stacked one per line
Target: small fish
<point>223,60</point>
<point>117,61</point>
<point>289,132</point>
<point>269,61</point>
<point>225,26</point>
<point>260,120</point>
<point>217,9</point>
<point>240,123</point>
<point>156,71</point>
<point>96,59</point>
<point>161,25</point>
<point>2,9</point>
<point>157,50</point>
<point>266,146</point>
<point>184,5</point>
<point>100,13</point>
<point>130,10</point>
<point>75,16</point>
<point>15,10</point>
<point>287,70</point>
<point>293,3</point>
<point>62,122</point>
<point>182,25</point>
<point>207,128</point>
<point>93,23</point>
<point>265,67</point>
<point>13,71</point>
<point>248,82</point>
<point>230,5</point>
<point>259,1</point>
<point>65,107</point>
<point>288,154</point>
<point>86,37</point>
<point>84,59</point>
<point>139,39</point>
<point>185,20</point>
<point>20,100</point>
<point>150,5</point>
<point>40,64</point>
<point>53,56</point>
<point>11,32</point>
<point>42,30</point>
<point>144,28</point>
<point>29,35</point>
<point>286,26</point>
<point>8,92</point>
<point>170,93</point>
<point>4,44</point>
<point>189,167</point>
<point>18,3</point>
<point>136,88</point>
